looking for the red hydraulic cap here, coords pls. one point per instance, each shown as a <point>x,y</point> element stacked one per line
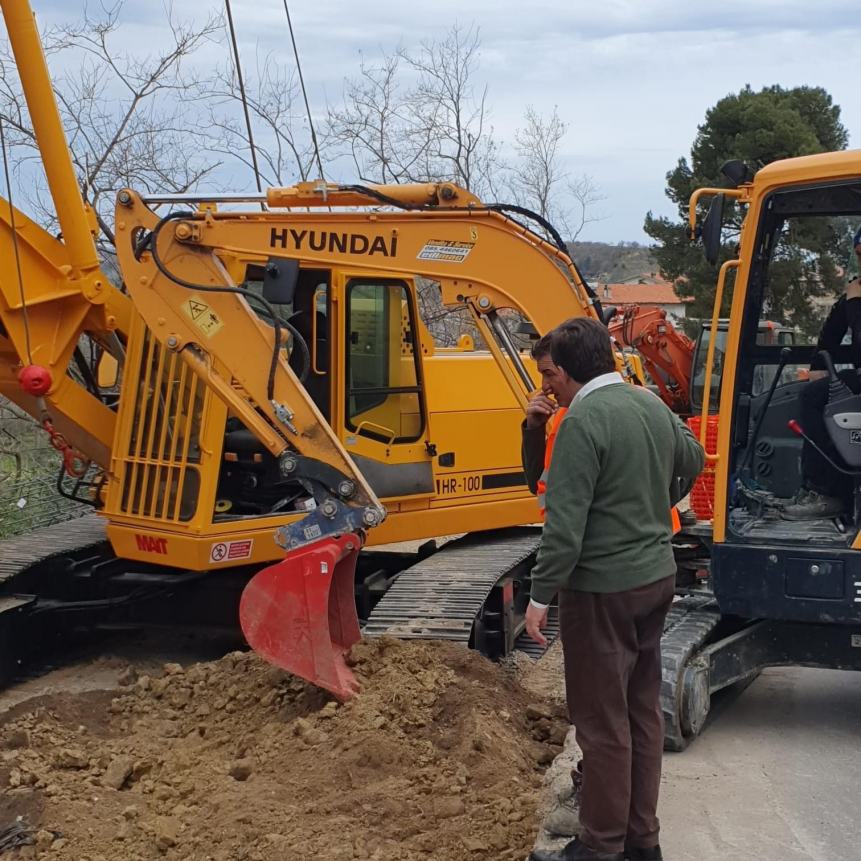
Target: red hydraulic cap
<point>35,380</point>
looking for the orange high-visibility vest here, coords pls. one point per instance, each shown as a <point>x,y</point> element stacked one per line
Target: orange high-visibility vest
<point>552,430</point>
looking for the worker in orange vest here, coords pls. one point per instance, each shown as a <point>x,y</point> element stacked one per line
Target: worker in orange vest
<point>544,415</point>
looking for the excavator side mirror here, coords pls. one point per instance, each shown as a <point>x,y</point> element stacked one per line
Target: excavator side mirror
<point>712,227</point>
<point>608,312</point>
<point>280,276</point>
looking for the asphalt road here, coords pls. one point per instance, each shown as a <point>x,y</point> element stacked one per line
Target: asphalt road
<point>775,776</point>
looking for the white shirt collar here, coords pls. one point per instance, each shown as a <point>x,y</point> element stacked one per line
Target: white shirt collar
<point>598,383</point>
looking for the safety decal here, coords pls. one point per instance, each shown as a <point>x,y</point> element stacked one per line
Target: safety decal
<point>230,551</point>
<point>203,316</point>
<point>446,250</point>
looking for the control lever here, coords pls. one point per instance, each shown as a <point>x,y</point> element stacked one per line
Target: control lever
<point>837,389</point>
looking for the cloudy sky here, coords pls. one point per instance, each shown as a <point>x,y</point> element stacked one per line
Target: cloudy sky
<point>632,78</point>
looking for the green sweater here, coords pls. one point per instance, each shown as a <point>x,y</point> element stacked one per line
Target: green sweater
<point>617,454</point>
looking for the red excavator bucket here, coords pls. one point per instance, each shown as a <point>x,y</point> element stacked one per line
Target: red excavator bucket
<point>300,614</point>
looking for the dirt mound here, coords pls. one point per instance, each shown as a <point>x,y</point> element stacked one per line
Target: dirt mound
<point>440,758</point>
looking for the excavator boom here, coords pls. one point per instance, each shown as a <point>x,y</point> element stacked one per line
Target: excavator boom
<point>667,354</point>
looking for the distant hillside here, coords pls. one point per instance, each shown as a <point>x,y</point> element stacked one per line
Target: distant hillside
<point>602,262</point>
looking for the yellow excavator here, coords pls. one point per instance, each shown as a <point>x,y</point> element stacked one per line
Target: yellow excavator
<point>265,401</point>
<point>266,393</point>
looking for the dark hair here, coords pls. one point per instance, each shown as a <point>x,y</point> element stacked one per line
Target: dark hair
<point>582,348</point>
<point>542,346</point>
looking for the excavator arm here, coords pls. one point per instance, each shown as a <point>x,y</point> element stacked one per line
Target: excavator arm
<point>666,353</point>
<point>53,292</point>
<point>191,304</point>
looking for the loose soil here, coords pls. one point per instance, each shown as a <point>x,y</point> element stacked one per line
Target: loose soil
<point>439,758</point>
<point>544,679</point>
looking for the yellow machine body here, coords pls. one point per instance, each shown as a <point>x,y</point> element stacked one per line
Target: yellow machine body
<point>428,437</point>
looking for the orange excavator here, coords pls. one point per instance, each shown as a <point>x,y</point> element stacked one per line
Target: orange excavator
<point>675,363</point>
<point>667,354</point>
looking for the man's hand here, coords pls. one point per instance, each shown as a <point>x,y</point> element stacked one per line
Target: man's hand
<point>538,410</point>
<point>536,619</point>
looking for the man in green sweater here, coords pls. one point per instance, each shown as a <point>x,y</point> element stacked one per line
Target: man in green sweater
<point>606,551</point>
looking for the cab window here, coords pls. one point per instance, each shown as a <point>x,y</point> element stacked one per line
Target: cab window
<point>384,396</point>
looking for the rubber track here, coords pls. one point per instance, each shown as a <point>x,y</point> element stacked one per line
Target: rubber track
<point>440,597</point>
<point>22,552</point>
<point>34,553</point>
<point>689,624</point>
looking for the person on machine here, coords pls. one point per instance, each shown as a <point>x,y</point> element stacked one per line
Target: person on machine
<point>825,491</point>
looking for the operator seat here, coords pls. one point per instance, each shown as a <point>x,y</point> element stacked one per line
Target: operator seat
<point>843,420</point>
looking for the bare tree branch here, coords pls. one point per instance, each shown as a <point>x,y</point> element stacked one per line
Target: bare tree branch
<point>416,116</point>
<point>283,141</point>
<point>128,118</point>
<point>539,181</point>
<point>585,195</point>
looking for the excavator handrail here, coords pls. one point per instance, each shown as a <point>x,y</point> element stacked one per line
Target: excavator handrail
<point>693,203</point>
<point>710,355</point>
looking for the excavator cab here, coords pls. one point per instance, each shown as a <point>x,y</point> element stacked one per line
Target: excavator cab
<point>763,564</point>
<point>784,428</point>
<point>774,591</point>
<point>354,344</point>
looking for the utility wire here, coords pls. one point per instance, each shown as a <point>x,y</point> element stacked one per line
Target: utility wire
<point>15,244</point>
<point>304,93</point>
<point>238,66</point>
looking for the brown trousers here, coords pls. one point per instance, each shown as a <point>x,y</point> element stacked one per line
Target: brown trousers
<point>612,647</point>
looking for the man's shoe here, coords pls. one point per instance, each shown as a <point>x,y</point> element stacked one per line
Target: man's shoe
<point>651,854</point>
<point>810,505</point>
<point>575,851</point>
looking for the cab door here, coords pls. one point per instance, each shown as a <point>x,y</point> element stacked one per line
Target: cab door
<point>382,415</point>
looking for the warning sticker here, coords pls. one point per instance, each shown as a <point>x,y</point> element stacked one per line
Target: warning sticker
<point>446,251</point>
<point>230,551</point>
<point>203,316</point>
